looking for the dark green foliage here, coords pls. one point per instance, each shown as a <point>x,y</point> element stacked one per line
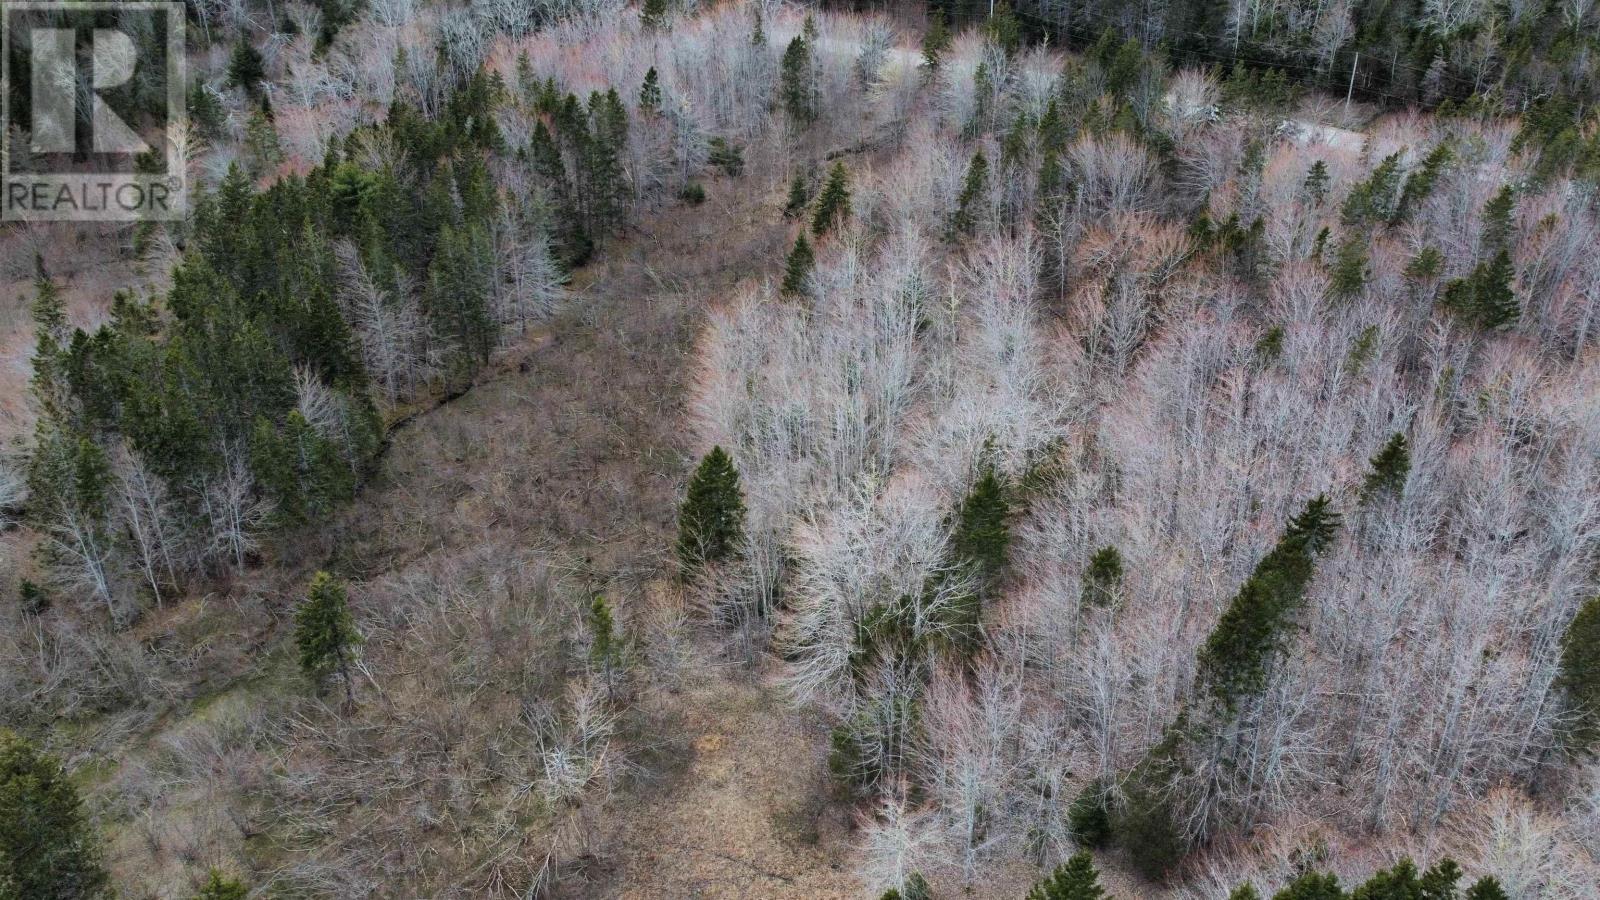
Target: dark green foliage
<point>833,206</point>
<point>1487,888</point>
<point>982,534</point>
<point>711,519</point>
<point>1485,297</point>
<point>1389,469</point>
<point>1375,201</point>
<point>1246,891</point>
<point>246,68</point>
<point>795,87</point>
<point>458,294</point>
<point>1312,886</point>
<point>205,111</point>
<point>47,849</point>
<point>222,887</point>
<point>1420,183</point>
<point>727,157</point>
<point>1236,656</point>
<point>797,269</point>
<point>1498,220</point>
<point>1349,274</point>
<point>1580,674</point>
<point>32,598</point>
<point>324,633</point>
<point>653,14</point>
<point>1102,577</point>
<point>1089,817</point>
<point>1075,879</point>
<point>972,196</point>
<point>1362,348</point>
<point>693,193</point>
<point>1145,820</point>
<point>1316,184</point>
<point>799,196</point>
<point>1270,345</point>
<point>1002,28</point>
<point>935,41</point>
<point>650,92</point>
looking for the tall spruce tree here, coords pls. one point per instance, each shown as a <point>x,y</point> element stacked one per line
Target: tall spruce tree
<point>1580,674</point>
<point>650,92</point>
<point>797,268</point>
<point>833,205</point>
<point>325,634</point>
<point>1389,468</point>
<point>795,87</point>
<point>47,848</point>
<point>1102,577</point>
<point>1486,297</point>
<point>972,193</point>
<point>1235,659</point>
<point>1075,879</point>
<point>711,519</point>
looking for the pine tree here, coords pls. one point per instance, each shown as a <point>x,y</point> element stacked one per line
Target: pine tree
<point>325,633</point>
<point>972,191</point>
<point>1102,577</point>
<point>711,520</point>
<point>799,196</point>
<point>982,535</point>
<point>246,68</point>
<point>1316,184</point>
<point>653,15</point>
<point>1089,816</point>
<point>1349,275</point>
<point>833,206</point>
<point>794,85</point>
<point>1236,656</point>
<point>1486,297</point>
<point>935,42</point>
<point>1312,886</point>
<point>47,849</point>
<point>1487,888</point>
<point>650,92</point>
<point>458,294</point>
<point>222,887</point>
<point>1246,891</point>
<point>1390,467</point>
<point>1075,879</point>
<point>797,269</point>
<point>1420,184</point>
<point>1498,222</point>
<point>1580,674</point>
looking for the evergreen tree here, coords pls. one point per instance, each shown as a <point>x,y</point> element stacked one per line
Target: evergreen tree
<point>1485,297</point>
<point>650,92</point>
<point>1316,183</point>
<point>982,536</point>
<point>833,206</point>
<point>972,195</point>
<point>1312,886</point>
<point>47,849</point>
<point>1102,577</point>
<point>222,887</point>
<point>325,634</point>
<point>1349,275</point>
<point>1580,674</point>
<point>711,519</point>
<point>1246,891</point>
<point>797,269</point>
<point>458,294</point>
<point>653,15</point>
<point>1075,879</point>
<point>799,196</point>
<point>795,82</point>
<point>1376,200</point>
<point>935,42</point>
<point>1390,467</point>
<point>246,68</point>
<point>1234,660</point>
<point>1089,816</point>
<point>1487,889</point>
<point>1498,223</point>
<point>1420,184</point>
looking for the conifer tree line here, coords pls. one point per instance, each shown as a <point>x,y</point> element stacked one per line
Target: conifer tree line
<point>1475,55</point>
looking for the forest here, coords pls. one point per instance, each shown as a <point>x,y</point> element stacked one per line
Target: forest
<point>1061,450</point>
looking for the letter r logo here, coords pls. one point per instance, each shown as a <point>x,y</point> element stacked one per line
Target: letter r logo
<point>56,90</point>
